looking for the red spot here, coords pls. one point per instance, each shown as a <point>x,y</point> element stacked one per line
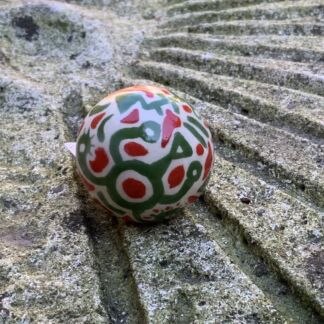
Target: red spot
<point>168,208</point>
<point>88,185</point>
<point>149,94</point>
<point>192,199</point>
<point>176,176</point>
<point>170,122</point>
<point>200,149</point>
<point>165,91</point>
<point>80,128</point>
<point>135,149</point>
<point>156,210</point>
<point>134,188</point>
<point>132,118</point>
<point>96,120</point>
<point>208,162</point>
<point>187,109</point>
<point>101,160</point>
<point>128,219</point>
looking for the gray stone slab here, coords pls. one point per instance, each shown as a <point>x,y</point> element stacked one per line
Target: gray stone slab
<point>256,255</point>
<point>46,264</point>
<point>183,276</point>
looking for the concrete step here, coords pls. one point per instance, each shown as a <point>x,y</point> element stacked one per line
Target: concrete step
<point>251,251</point>
<point>286,74</point>
<point>184,276</point>
<point>306,26</point>
<point>203,5</point>
<point>46,259</point>
<point>272,11</point>
<point>277,216</point>
<point>272,231</point>
<point>287,48</point>
<point>251,137</point>
<point>263,102</point>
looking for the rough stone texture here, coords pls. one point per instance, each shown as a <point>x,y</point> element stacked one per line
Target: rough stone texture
<point>55,60</point>
<point>252,250</point>
<point>184,277</point>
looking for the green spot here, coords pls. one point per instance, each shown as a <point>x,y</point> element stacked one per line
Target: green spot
<point>175,108</point>
<point>101,133</point>
<point>195,133</point>
<point>150,131</point>
<point>98,108</point>
<point>198,125</point>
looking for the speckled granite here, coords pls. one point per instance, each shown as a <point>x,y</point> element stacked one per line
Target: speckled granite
<point>252,250</point>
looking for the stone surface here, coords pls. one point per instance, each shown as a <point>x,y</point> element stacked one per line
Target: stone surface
<point>54,57</point>
<point>252,250</point>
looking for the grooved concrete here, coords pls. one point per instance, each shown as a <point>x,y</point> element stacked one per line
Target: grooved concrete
<point>251,251</point>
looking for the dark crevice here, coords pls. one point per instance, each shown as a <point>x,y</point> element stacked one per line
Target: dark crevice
<point>117,286</point>
<point>26,27</point>
<point>118,290</point>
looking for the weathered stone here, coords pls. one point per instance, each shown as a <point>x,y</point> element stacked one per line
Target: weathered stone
<point>184,277</point>
<point>54,56</point>
<point>252,251</point>
<point>46,260</point>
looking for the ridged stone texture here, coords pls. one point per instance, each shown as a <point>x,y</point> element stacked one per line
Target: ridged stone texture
<point>250,251</point>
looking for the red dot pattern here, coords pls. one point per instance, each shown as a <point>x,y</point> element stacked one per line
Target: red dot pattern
<point>176,176</point>
<point>88,185</point>
<point>135,149</point>
<point>200,149</point>
<point>101,160</point>
<point>187,109</point>
<point>128,219</point>
<point>132,118</point>
<point>134,188</point>
<point>192,199</point>
<point>95,121</point>
<point>170,122</point>
<point>208,162</point>
<point>165,91</point>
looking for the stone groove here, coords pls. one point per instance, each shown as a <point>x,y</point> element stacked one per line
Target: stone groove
<point>286,74</point>
<point>271,235</point>
<point>300,27</point>
<point>46,260</point>
<point>203,5</point>
<point>267,184</point>
<point>259,101</point>
<point>242,253</point>
<point>290,216</point>
<point>54,267</point>
<point>249,115</point>
<point>296,49</point>
<point>275,11</point>
<point>187,294</point>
